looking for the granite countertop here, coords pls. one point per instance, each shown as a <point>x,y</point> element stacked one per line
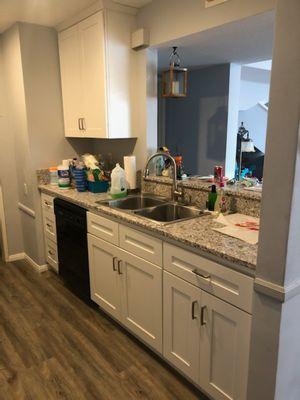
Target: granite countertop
<point>196,234</point>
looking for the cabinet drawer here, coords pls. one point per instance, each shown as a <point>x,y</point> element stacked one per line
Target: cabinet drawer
<point>141,244</point>
<point>47,203</point>
<point>51,254</point>
<point>49,225</point>
<point>103,228</point>
<point>229,285</point>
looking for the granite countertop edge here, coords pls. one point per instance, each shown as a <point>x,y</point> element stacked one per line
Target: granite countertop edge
<point>173,232</point>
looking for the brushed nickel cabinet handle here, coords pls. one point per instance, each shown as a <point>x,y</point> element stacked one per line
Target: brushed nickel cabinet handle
<point>114,263</point>
<point>83,124</point>
<point>79,126</point>
<point>193,309</point>
<point>119,267</point>
<point>198,273</point>
<point>203,309</point>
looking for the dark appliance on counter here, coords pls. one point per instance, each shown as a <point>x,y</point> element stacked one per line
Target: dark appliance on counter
<point>71,229</point>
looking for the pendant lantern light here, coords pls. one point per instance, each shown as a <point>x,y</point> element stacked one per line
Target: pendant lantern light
<point>174,80</point>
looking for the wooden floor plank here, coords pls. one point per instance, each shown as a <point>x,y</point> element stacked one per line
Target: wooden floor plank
<point>54,346</point>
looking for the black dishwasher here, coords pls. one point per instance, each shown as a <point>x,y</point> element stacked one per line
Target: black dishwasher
<point>71,230</point>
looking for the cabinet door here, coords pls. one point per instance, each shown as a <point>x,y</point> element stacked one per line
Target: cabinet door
<point>104,278</point>
<point>181,325</point>
<point>70,69</point>
<point>142,298</point>
<point>92,42</point>
<point>225,339</point>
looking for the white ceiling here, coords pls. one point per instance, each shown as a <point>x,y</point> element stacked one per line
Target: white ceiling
<point>245,41</point>
<point>47,12</point>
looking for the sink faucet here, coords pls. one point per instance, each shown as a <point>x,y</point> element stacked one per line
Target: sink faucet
<point>176,193</point>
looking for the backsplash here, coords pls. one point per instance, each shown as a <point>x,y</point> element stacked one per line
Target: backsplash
<point>196,193</point>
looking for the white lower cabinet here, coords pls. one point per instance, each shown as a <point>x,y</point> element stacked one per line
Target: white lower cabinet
<point>104,278</point>
<point>200,324</point>
<point>128,288</point>
<point>206,338</point>
<point>142,298</point>
<point>181,325</point>
<point>224,349</point>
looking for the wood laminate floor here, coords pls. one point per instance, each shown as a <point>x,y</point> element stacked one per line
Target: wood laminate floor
<point>53,346</point>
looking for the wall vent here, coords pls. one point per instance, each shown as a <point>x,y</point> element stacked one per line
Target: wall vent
<point>211,3</point>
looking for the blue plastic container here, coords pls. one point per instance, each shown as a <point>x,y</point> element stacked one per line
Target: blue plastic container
<point>98,186</point>
<point>80,179</point>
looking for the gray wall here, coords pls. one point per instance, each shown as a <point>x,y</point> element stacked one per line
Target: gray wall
<point>197,124</point>
<point>35,131</point>
<point>7,172</point>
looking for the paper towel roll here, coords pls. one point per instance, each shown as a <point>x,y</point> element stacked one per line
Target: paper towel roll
<point>130,171</point>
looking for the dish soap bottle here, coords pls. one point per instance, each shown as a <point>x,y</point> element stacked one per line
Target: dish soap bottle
<point>118,187</point>
<point>212,198</point>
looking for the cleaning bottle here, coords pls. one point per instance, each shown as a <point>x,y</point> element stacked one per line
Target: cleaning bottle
<point>118,187</point>
<point>221,205</point>
<point>212,198</point>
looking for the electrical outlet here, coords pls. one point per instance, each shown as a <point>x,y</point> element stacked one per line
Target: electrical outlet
<point>25,189</point>
<point>211,3</point>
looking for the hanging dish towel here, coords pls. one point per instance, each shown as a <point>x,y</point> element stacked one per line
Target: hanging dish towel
<point>240,226</point>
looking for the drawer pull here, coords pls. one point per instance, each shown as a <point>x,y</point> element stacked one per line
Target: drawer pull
<point>51,253</point>
<point>203,309</point>
<point>114,263</point>
<point>198,273</point>
<point>49,225</point>
<point>119,267</point>
<point>193,309</point>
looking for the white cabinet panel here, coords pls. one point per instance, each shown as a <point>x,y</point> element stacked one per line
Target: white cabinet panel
<point>97,73</point>
<point>225,340</point>
<point>103,228</point>
<point>181,325</point>
<point>49,225</point>
<point>229,285</point>
<point>91,33</point>
<point>142,298</point>
<point>70,69</point>
<point>141,244</point>
<point>51,254</point>
<point>104,277</point>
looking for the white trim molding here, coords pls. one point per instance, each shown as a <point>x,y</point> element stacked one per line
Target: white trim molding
<point>3,229</point>
<point>30,261</point>
<point>37,267</point>
<point>26,210</point>
<point>277,292</point>
<point>16,257</point>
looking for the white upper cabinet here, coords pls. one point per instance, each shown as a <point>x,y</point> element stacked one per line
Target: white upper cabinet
<point>97,66</point>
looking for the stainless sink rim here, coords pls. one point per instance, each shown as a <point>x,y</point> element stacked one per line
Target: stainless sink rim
<point>165,202</point>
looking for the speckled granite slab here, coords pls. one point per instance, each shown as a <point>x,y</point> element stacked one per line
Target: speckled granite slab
<point>196,192</point>
<point>196,234</point>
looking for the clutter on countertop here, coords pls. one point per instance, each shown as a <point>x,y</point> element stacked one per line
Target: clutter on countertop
<point>118,186</point>
<point>130,171</point>
<point>240,226</point>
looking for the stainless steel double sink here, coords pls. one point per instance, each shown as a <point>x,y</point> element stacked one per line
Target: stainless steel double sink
<point>154,208</point>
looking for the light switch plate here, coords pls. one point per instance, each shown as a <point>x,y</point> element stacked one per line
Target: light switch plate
<point>211,3</point>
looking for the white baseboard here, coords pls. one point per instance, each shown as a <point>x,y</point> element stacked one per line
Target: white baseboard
<point>37,267</point>
<point>16,257</point>
<point>33,264</point>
